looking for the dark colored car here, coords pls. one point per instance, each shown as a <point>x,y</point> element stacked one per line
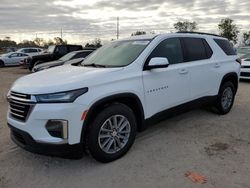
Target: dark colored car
<point>54,52</point>
<point>77,55</point>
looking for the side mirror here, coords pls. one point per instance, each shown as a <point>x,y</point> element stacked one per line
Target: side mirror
<point>157,62</point>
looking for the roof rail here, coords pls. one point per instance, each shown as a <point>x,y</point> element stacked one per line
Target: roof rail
<point>201,33</point>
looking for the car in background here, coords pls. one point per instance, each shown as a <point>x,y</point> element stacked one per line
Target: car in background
<point>241,51</point>
<point>31,51</point>
<point>11,49</point>
<point>78,55</point>
<point>54,52</point>
<point>245,67</point>
<point>12,59</point>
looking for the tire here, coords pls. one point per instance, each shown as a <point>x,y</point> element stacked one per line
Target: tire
<point>118,141</point>
<point>1,64</point>
<point>225,98</point>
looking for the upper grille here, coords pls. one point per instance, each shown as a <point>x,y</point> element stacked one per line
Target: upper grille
<point>20,105</point>
<point>245,66</point>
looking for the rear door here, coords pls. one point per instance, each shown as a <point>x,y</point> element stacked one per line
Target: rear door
<point>197,54</point>
<point>166,87</point>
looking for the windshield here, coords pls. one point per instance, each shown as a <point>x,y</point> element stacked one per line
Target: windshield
<point>67,56</point>
<point>116,54</point>
<point>51,49</point>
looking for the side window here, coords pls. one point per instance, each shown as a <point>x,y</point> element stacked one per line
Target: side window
<point>169,48</point>
<point>195,49</point>
<point>74,48</point>
<point>225,46</point>
<point>82,54</point>
<point>14,55</point>
<point>61,49</point>
<point>32,50</point>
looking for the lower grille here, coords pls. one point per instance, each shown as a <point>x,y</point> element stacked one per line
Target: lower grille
<point>245,74</point>
<point>20,105</point>
<point>18,137</point>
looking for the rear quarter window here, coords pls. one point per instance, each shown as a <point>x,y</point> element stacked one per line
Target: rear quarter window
<point>225,46</point>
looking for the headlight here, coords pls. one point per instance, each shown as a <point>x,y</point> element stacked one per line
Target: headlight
<point>61,97</point>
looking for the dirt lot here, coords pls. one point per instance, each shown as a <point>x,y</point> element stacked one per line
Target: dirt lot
<point>217,147</point>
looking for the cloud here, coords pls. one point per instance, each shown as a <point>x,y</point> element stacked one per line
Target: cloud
<point>85,20</point>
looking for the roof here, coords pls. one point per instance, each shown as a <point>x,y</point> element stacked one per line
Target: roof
<point>178,34</point>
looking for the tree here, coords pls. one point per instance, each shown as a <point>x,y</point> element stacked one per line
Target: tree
<point>96,43</point>
<point>59,41</point>
<point>39,42</point>
<point>246,38</point>
<point>185,26</point>
<point>229,30</point>
<point>7,43</point>
<point>26,43</point>
<point>139,33</point>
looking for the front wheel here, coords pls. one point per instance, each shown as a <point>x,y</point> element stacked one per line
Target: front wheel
<point>112,133</point>
<point>225,98</point>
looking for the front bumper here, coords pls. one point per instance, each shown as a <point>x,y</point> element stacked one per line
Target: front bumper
<point>25,141</point>
<point>42,113</point>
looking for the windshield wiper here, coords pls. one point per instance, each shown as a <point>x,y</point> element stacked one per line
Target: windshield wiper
<point>94,65</point>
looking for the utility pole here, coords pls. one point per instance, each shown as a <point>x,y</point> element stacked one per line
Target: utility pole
<point>61,34</point>
<point>117,30</point>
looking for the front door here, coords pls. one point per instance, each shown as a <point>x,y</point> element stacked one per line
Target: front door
<point>166,87</point>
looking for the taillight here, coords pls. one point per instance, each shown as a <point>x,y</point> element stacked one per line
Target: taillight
<point>238,60</point>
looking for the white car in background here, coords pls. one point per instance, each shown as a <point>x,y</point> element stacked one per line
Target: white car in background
<point>31,51</point>
<point>12,59</point>
<point>241,51</point>
<point>245,67</point>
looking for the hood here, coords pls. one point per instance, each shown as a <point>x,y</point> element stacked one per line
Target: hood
<point>74,61</point>
<point>48,64</point>
<point>64,78</point>
<point>245,61</point>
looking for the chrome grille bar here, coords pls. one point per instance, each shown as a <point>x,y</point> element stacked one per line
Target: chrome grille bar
<point>20,105</point>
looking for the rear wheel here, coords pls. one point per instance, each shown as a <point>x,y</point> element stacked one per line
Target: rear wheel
<point>112,133</point>
<point>1,64</point>
<point>225,98</point>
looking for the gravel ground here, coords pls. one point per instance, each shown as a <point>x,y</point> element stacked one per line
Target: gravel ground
<point>217,147</point>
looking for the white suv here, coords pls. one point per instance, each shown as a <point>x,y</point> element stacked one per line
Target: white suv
<point>100,105</point>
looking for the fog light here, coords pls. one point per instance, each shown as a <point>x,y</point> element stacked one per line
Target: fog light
<point>57,128</point>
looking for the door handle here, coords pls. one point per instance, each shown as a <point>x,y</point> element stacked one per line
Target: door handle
<point>183,71</point>
<point>217,65</point>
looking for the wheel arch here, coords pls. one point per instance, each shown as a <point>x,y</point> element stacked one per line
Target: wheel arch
<point>1,61</point>
<point>129,99</point>
<point>233,77</point>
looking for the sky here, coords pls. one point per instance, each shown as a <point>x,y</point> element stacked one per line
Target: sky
<point>82,21</point>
